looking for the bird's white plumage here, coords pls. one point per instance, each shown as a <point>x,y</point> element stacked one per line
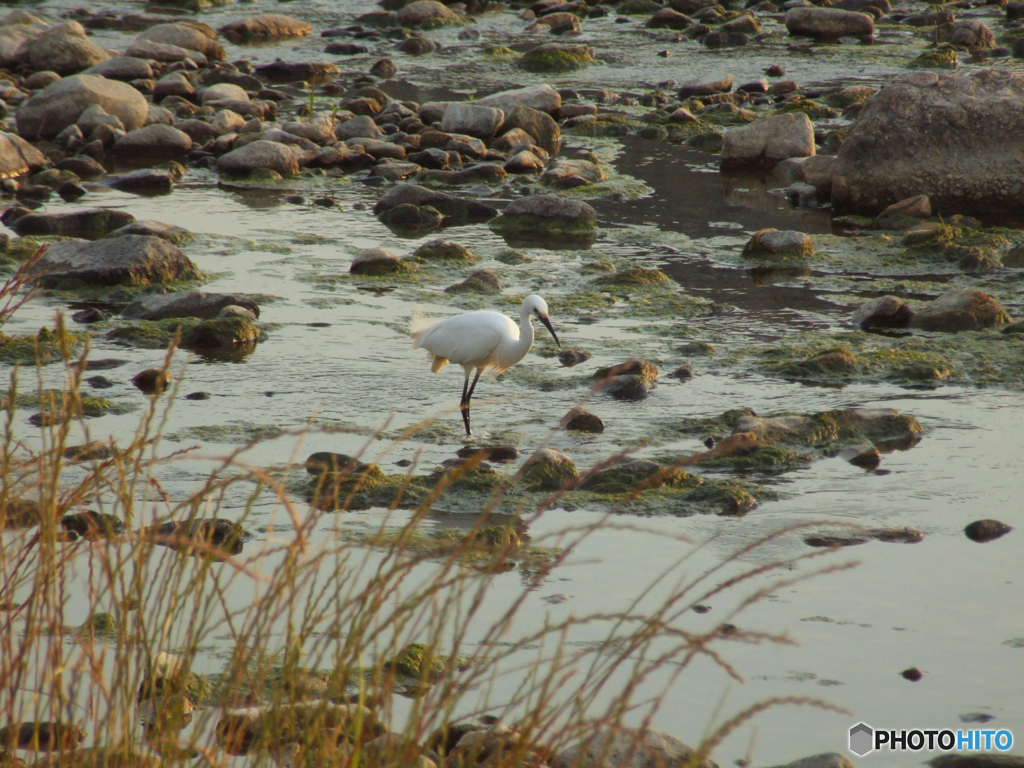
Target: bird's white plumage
<point>471,339</point>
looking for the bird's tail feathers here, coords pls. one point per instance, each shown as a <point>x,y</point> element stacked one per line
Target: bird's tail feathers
<point>419,324</point>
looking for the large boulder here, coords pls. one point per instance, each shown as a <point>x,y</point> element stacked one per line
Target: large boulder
<point>265,27</point>
<point>14,37</point>
<point>59,105</point>
<point>153,144</point>
<point>190,36</point>
<point>547,216</point>
<point>281,158</point>
<point>763,143</point>
<point>186,304</point>
<point>966,310</point>
<point>541,97</point>
<point>91,223</point>
<point>65,50</point>
<point>17,156</point>
<point>828,24</point>
<point>130,260</point>
<point>955,139</point>
<point>622,747</point>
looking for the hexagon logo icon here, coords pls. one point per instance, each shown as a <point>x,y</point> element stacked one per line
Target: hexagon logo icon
<point>862,739</point>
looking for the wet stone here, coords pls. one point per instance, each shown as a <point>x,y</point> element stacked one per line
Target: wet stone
<point>99,382</point>
<point>983,531</point>
<point>376,261</point>
<point>581,420</point>
<point>152,381</point>
<point>483,281</point>
<point>572,357</point>
<point>499,453</point>
<point>883,312</point>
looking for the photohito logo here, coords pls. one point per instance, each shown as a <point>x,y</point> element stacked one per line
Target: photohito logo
<point>864,739</point>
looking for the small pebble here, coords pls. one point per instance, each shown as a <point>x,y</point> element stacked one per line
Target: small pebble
<point>913,674</point>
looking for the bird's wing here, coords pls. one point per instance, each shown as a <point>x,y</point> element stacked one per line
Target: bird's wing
<point>464,339</point>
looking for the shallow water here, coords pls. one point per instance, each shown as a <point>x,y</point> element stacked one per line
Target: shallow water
<point>339,355</point>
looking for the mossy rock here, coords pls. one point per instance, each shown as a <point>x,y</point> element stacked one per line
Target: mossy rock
<point>633,276</point>
<point>729,498</point>
<point>768,459</point>
<point>852,424</point>
<point>444,250</point>
<point>220,333</point>
<point>99,626</point>
<point>495,537</point>
<point>330,490</point>
<point>151,334</point>
<point>418,661</point>
<point>549,471</point>
<point>93,525</point>
<point>943,58</point>
<point>646,372</point>
<point>812,109</point>
<point>554,57</point>
<point>637,475</point>
<point>528,226</point>
<point>773,245</point>
<point>606,125</point>
<point>43,347</point>
<point>833,362</point>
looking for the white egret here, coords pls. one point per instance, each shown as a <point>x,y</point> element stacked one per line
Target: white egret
<point>481,340</point>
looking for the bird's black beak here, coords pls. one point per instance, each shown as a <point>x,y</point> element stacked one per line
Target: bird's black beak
<point>547,324</point>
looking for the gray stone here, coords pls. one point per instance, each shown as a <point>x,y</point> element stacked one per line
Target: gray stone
<point>17,156</point>
<point>144,182</point>
<point>773,243</point>
<point>427,14</point>
<point>828,24</point>
<point>539,125</point>
<point>358,127</point>
<point>454,207</point>
<point>150,228</point>
<point>883,312</point>
<point>65,50</point>
<point>95,116</point>
<point>173,84</point>
<point>91,223</point>
<point>955,139</point>
<point>185,36</point>
<point>224,92</point>
<point>158,115</point>
<point>14,41</point>
<point>129,260</point>
<point>261,154</point>
<point>375,261</point>
<point>524,162</point>
<point>267,26</point>
<point>164,52</point>
<point>125,68</point>
<point>764,142</point>
<point>319,130</point>
<point>153,144</point>
<point>624,747</point>
<point>199,131</point>
<point>707,86</point>
<point>965,310</point>
<point>186,304</point>
<point>547,216</point>
<point>562,169</point>
<point>540,97</point>
<point>472,119</point>
<point>59,105</point>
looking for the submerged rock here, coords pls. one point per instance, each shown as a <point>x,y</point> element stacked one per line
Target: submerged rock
<point>547,216</point>
<point>42,736</point>
<point>152,381</point>
<point>377,261</point>
<point>91,223</point>
<point>129,260</point>
<point>444,250</point>
<point>954,139</point>
<point>549,470</point>
<point>482,281</point>
<point>883,312</point>
<point>448,205</point>
<point>92,526</point>
<point>186,304</point>
<point>982,531</point>
<point>966,310</point>
<point>582,420</point>
<point>771,243</point>
<point>220,333</point>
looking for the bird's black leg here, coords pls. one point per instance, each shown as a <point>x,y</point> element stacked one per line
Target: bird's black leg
<point>466,396</point>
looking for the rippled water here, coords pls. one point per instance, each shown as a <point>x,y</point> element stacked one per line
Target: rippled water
<point>339,354</point>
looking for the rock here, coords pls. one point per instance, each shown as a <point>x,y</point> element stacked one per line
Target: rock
<point>540,97</point>
<point>581,420</point>
<point>537,124</point>
<point>65,50</point>
<point>17,156</point>
<point>144,182</point>
<point>14,42</point>
<point>666,18</point>
<point>220,333</point>
<point>965,310</point>
<point>499,453</point>
<point>185,36</point>
<point>983,531</point>
<point>549,470</point>
<point>163,52</point>
<point>547,216</point>
<point>972,34</point>
<point>454,207</point>
<point>385,68</point>
<point>279,158</point>
<point>200,132</point>
<point>173,84</point>
<point>482,281</point>
<point>445,250</point>
<point>557,57</point>
<point>772,243</point>
<point>705,87</point>
<point>297,70</point>
<point>950,138</point>
<point>130,260</point>
<point>828,24</point>
<point>905,213</point>
<point>883,312</point>
<point>765,142</point>
<point>205,306</point>
<point>622,747</point>
<point>427,14</point>
<point>42,736</point>
<point>561,169</point>
<point>472,119</point>
<point>149,228</point>
<point>92,223</point>
<point>826,760</point>
<point>408,219</point>
<point>265,27</point>
<point>376,261</point>
<point>224,92</point>
<point>152,144</point>
<point>59,105</point>
<point>93,526</point>
<point>124,68</point>
<point>524,162</point>
<point>359,127</point>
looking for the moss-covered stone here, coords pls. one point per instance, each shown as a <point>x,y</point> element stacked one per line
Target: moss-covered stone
<point>418,661</point>
<point>444,250</point>
<point>635,476</point>
<point>99,626</point>
<point>220,333</point>
<point>838,362</point>
<point>632,276</point>
<point>495,537</point>
<point>151,334</point>
<point>941,58</point>
<point>44,347</point>
<point>555,57</point>
<point>730,498</point>
<point>549,471</point>
<point>812,109</point>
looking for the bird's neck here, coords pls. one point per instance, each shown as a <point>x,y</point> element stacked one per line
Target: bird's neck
<point>525,335</point>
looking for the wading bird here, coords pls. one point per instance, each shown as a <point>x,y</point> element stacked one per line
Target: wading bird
<point>480,340</point>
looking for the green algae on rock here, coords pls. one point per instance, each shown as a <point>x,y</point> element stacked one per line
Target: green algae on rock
<point>549,470</point>
<point>773,244</point>
<point>547,218</point>
<point>45,346</point>
<point>220,333</point>
<point>444,250</point>
<point>941,58</point>
<point>419,661</point>
<point>557,57</point>
<point>634,276</point>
